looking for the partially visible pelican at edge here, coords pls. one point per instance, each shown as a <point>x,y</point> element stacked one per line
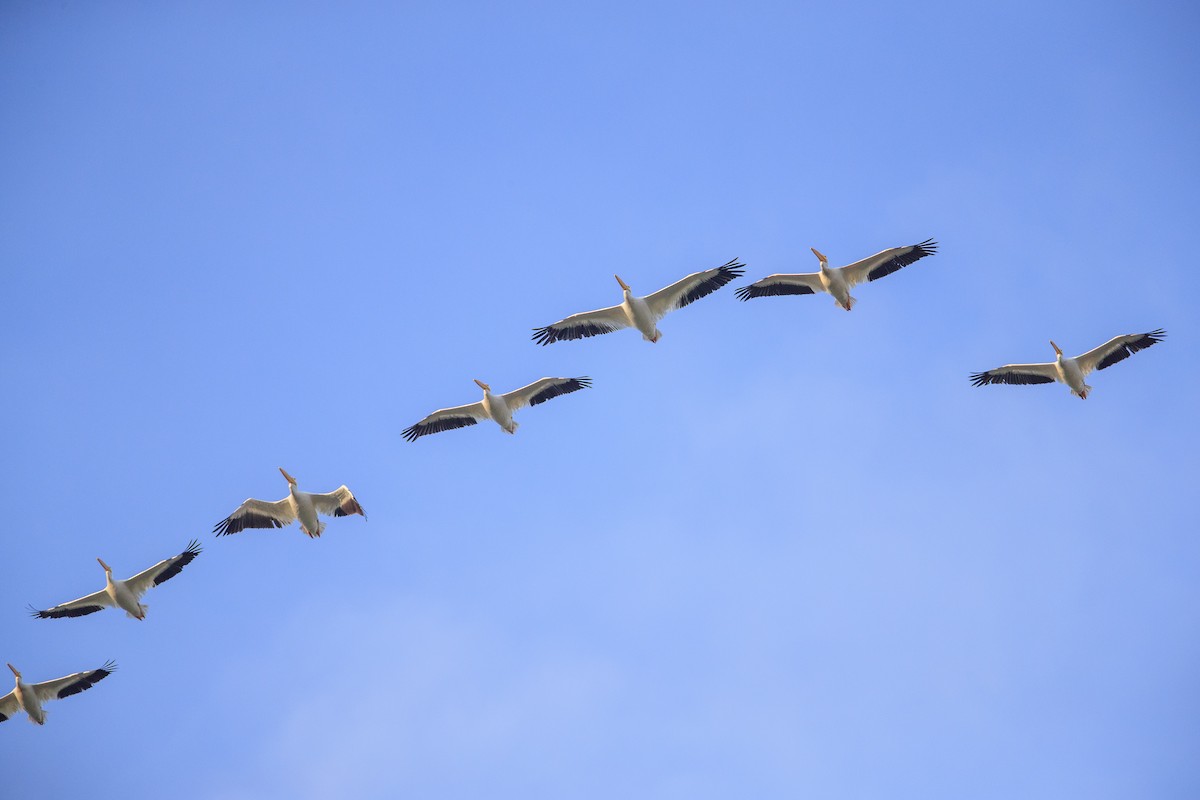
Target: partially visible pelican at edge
<point>30,696</point>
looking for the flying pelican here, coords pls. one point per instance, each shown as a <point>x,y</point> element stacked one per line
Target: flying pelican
<point>297,505</point>
<point>30,696</point>
<point>642,313</point>
<point>124,594</point>
<point>1071,371</point>
<point>838,282</point>
<point>497,407</point>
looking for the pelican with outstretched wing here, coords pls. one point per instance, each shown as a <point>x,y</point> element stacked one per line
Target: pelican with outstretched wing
<point>642,313</point>
<point>1071,371</point>
<point>298,505</point>
<point>126,594</point>
<point>840,280</point>
<point>497,407</point>
<point>30,696</point>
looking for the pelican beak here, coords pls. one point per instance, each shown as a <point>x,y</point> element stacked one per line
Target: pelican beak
<point>107,568</point>
<point>14,670</point>
<point>817,253</point>
<point>482,385</point>
<point>624,285</point>
<point>1057,349</point>
<point>290,479</point>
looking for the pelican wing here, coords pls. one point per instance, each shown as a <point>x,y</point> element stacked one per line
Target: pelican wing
<point>88,604</point>
<point>446,419</point>
<point>581,326</point>
<point>9,705</point>
<point>1016,374</point>
<point>72,684</point>
<point>1117,349</point>
<point>163,570</point>
<point>338,503</point>
<point>773,285</point>
<point>542,390</point>
<point>258,514</point>
<point>886,262</point>
<point>693,287</point>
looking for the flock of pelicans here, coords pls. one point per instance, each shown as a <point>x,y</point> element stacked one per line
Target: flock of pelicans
<point>642,313</point>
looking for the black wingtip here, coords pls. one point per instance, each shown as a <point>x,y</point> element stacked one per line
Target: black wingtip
<point>734,268</point>
<point>564,386</point>
<point>437,426</point>
<point>912,255</point>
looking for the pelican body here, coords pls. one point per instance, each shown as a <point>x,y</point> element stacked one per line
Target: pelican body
<point>119,593</point>
<point>298,505</point>
<point>306,512</point>
<point>1072,372</point>
<point>28,700</point>
<point>497,407</point>
<point>638,312</point>
<point>29,697</point>
<point>834,282</point>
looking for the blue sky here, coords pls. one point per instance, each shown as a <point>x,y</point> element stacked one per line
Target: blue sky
<point>787,551</point>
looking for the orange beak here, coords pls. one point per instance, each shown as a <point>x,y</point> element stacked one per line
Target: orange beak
<point>624,285</point>
<point>817,253</point>
<point>1057,349</point>
<point>482,385</point>
<point>107,568</point>
<point>14,670</point>
<point>290,479</point>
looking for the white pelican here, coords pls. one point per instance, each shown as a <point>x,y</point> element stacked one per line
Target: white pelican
<point>30,696</point>
<point>642,313</point>
<point>497,407</point>
<point>297,505</point>
<point>124,594</point>
<point>1071,371</point>
<point>838,282</point>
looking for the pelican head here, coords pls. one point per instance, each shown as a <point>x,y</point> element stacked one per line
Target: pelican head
<point>15,671</point>
<point>482,385</point>
<point>1057,349</point>
<point>107,568</point>
<point>624,285</point>
<point>821,257</point>
<point>290,479</point>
